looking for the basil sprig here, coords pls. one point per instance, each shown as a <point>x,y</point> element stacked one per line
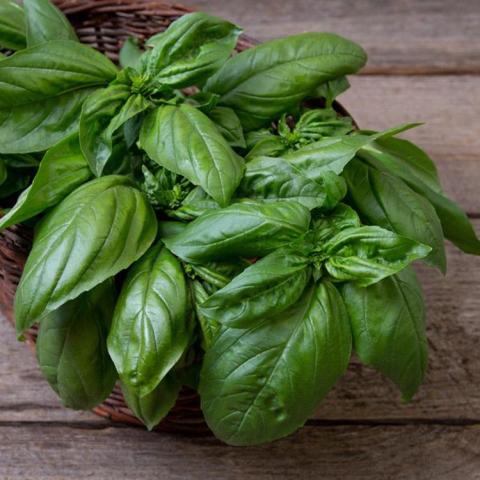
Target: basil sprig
<point>197,223</point>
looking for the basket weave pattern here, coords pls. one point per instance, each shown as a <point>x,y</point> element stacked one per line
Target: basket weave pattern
<point>105,25</point>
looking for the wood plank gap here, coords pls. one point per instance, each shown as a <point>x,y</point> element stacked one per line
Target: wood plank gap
<point>417,71</point>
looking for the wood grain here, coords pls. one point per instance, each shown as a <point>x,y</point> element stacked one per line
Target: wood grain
<point>450,107</point>
<point>407,37</point>
<point>58,452</point>
<point>450,395</point>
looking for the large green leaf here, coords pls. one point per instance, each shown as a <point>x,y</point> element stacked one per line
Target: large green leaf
<point>268,178</point>
<point>366,255</point>
<point>154,407</point>
<point>262,383</point>
<point>266,288</point>
<point>51,69</point>
<point>455,224</point>
<point>98,230</point>
<point>209,328</point>
<point>388,325</point>
<point>130,53</point>
<point>263,82</point>
<point>40,125</point>
<point>45,22</point>
<point>384,200</point>
<point>12,25</point>
<point>185,141</point>
<point>72,351</point>
<point>150,330</point>
<point>62,170</point>
<point>189,51</point>
<point>104,112</point>
<point>243,229</point>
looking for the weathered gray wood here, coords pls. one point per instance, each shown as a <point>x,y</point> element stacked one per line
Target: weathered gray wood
<point>423,452</point>
<point>448,107</point>
<point>451,392</point>
<point>409,37</point>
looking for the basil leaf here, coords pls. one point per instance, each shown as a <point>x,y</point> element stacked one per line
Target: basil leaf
<point>275,373</point>
<point>269,146</point>
<point>40,125</point>
<point>196,203</point>
<point>130,54</point>
<point>45,22</point>
<point>405,160</point>
<point>150,326</point>
<point>60,67</point>
<point>388,326</point>
<point>384,200</point>
<point>228,124</point>
<point>189,51</point>
<point>365,255</point>
<point>333,153</point>
<point>266,288</point>
<point>243,229</point>
<point>3,174</point>
<point>71,348</point>
<point>332,89</point>
<point>271,179</point>
<point>455,224</point>
<point>15,182</point>
<point>62,170</point>
<point>168,229</point>
<point>154,407</point>
<point>263,82</point>
<point>12,25</point>
<point>218,274</point>
<point>318,123</point>
<point>103,114</point>
<point>98,230</point>
<point>185,141</point>
<point>340,218</point>
<point>209,328</point>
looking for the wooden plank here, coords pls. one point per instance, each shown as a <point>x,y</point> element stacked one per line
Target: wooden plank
<point>448,107</point>
<point>54,452</point>
<point>450,393</point>
<point>408,37</point>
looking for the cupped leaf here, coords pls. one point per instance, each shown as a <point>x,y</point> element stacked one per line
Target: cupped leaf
<point>268,178</point>
<point>185,141</point>
<point>98,230</point>
<point>266,288</point>
<point>194,47</point>
<point>103,114</point>
<point>332,89</point>
<point>263,82</point>
<point>388,326</point>
<point>384,200</point>
<point>62,170</point>
<point>45,22</point>
<point>262,383</point>
<point>154,407</point>
<point>366,255</point>
<point>269,146</point>
<point>42,124</point>
<point>218,274</point>
<point>169,228</point>
<point>327,225</point>
<point>247,230</point>
<point>130,53</point>
<point>12,25</point>
<point>72,351</point>
<point>51,69</point>
<point>150,330</point>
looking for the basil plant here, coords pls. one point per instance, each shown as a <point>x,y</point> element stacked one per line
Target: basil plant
<point>197,223</point>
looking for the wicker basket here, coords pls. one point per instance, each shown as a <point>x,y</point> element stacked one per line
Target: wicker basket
<point>104,25</point>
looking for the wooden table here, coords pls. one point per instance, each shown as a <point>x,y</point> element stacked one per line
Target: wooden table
<point>424,65</point>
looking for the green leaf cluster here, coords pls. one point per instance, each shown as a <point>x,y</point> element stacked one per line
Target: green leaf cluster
<point>193,212</point>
